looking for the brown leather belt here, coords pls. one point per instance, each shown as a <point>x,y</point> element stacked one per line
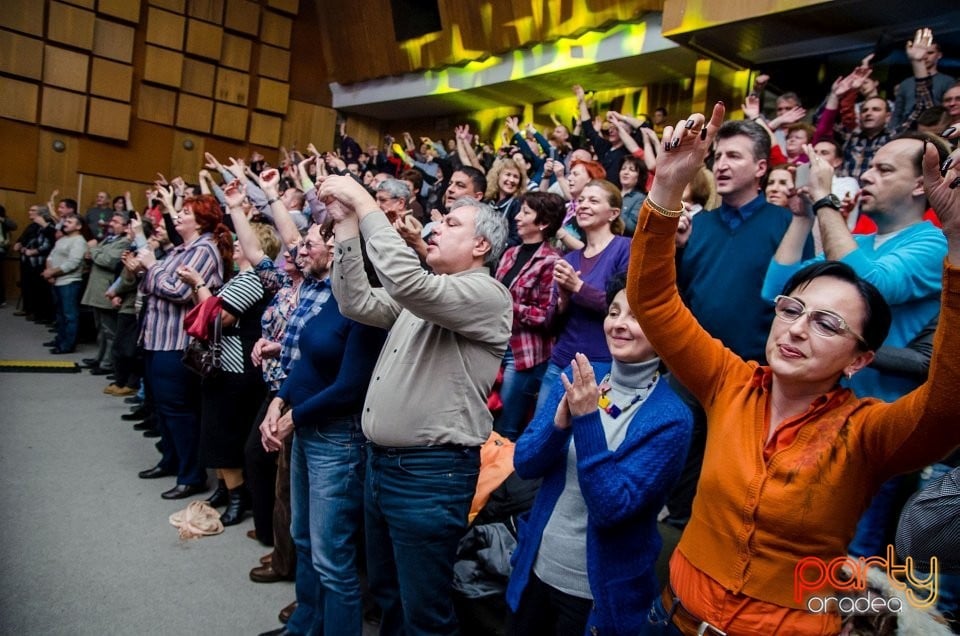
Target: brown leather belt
<point>686,622</point>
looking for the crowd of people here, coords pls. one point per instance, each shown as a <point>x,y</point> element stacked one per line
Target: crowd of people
<point>755,311</point>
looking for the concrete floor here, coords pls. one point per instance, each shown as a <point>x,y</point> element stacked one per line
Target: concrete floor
<point>86,546</point>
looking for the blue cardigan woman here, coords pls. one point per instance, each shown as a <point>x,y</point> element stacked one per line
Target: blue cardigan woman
<point>609,446</point>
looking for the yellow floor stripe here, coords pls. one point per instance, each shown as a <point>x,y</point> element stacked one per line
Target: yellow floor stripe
<point>51,366</point>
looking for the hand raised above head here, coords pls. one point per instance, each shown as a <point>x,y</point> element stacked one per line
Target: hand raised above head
<point>344,189</point>
<point>942,187</point>
<point>684,146</point>
<point>234,193</point>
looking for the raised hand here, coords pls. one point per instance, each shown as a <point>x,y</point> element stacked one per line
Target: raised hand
<point>270,179</point>
<point>751,106</point>
<point>821,175</point>
<point>921,43</point>
<point>513,123</point>
<point>582,392</point>
<point>684,148</point>
<point>234,193</point>
<point>942,185</point>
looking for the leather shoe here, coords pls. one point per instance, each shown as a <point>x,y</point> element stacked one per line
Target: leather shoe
<point>139,413</point>
<point>59,351</point>
<point>151,433</point>
<point>148,424</point>
<point>266,559</point>
<point>182,491</point>
<point>282,631</point>
<point>100,371</point>
<point>154,473</point>
<point>88,362</point>
<point>49,343</point>
<point>132,400</point>
<point>265,574</point>
<point>287,612</point>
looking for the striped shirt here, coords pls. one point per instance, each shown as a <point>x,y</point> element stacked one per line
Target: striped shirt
<point>241,294</point>
<point>168,298</point>
<point>313,294</point>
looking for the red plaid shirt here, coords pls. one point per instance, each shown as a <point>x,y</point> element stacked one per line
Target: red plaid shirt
<point>533,304</point>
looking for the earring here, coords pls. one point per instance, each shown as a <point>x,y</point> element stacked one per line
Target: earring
<point>848,374</point>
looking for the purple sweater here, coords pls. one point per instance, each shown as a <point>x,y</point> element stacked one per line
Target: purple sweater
<point>582,330</point>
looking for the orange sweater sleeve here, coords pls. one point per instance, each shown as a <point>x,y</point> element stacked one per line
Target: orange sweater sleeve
<point>699,361</point>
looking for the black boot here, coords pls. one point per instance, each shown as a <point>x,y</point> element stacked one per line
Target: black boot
<point>219,496</point>
<point>237,505</point>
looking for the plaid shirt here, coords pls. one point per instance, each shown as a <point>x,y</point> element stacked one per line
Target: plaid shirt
<point>168,298</point>
<point>532,294</point>
<point>313,294</point>
<point>858,149</point>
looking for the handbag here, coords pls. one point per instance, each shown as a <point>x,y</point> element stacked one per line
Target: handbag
<point>204,357</point>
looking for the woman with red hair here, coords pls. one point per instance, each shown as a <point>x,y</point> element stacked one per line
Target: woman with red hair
<point>207,248</point>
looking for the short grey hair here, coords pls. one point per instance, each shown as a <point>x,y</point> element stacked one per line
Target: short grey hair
<point>490,224</point>
<point>396,188</point>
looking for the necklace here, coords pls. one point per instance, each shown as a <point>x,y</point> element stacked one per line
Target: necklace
<point>604,402</point>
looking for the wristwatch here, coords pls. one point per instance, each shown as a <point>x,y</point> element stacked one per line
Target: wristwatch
<point>829,201</point>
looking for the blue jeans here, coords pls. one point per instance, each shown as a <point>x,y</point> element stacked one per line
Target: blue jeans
<point>416,502</point>
<point>658,622</point>
<point>550,377</point>
<point>176,396</point>
<point>517,392</point>
<point>326,500</point>
<point>68,314</point>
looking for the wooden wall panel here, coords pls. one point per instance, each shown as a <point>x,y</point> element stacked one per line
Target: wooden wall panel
<point>233,87</point>
<point>265,129</point>
<point>156,104</point>
<point>209,10</point>
<point>63,109</point>
<point>126,10</point>
<point>187,162</point>
<point>18,170</point>
<point>272,96</point>
<point>243,16</point>
<point>108,119</point>
<point>194,113</point>
<point>230,121</point>
<point>275,29</point>
<point>70,25</point>
<point>204,39</point>
<point>111,79</point>
<point>83,4</point>
<point>57,170</point>
<point>163,66</point>
<point>287,6</point>
<point>236,52</point>
<point>307,123</point>
<point>165,28</point>
<point>140,159</point>
<point>198,77</point>
<point>25,16</point>
<point>18,100</point>
<point>114,41</point>
<point>21,55</point>
<point>274,63</point>
<point>66,69</point>
<point>177,6</point>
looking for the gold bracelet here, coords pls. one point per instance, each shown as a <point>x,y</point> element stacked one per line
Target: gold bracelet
<point>662,211</point>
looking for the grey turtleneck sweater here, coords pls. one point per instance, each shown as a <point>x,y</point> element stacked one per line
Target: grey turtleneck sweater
<point>562,557</point>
